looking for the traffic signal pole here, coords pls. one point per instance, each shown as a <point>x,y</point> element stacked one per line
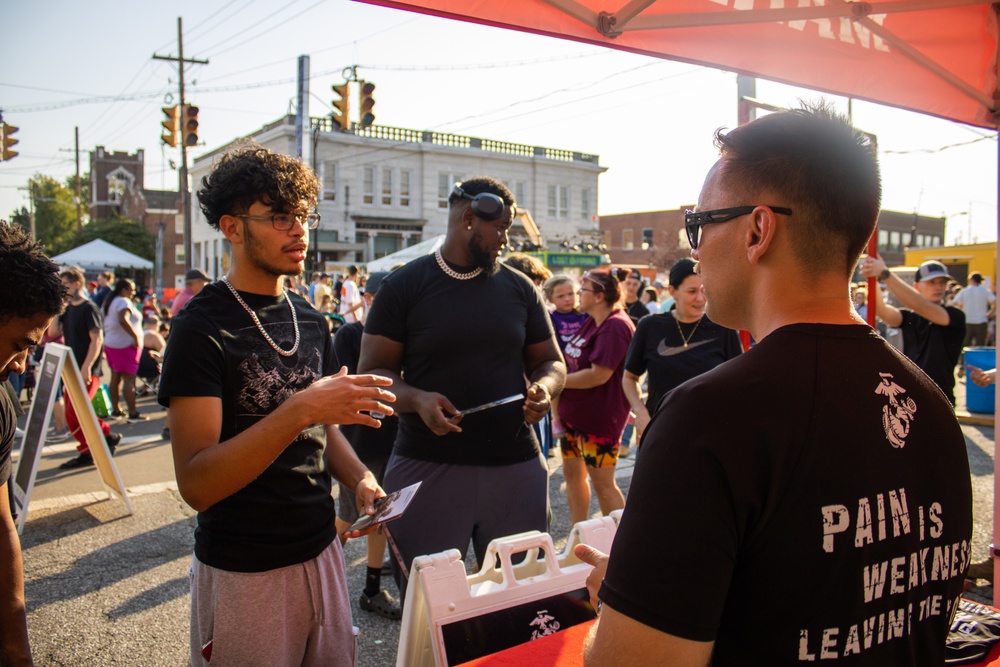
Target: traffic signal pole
<point>182,179</point>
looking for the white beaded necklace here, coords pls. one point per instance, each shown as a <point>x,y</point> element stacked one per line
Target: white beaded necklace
<point>260,327</point>
<point>452,273</point>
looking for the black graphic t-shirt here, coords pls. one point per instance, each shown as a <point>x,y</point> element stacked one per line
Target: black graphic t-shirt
<point>8,424</point>
<point>935,348</point>
<point>77,323</point>
<point>823,481</point>
<point>286,515</point>
<point>657,347</point>
<point>463,339</point>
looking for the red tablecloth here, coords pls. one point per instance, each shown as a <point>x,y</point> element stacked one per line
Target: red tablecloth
<point>565,649</point>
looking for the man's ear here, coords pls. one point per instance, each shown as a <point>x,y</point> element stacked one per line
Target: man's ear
<point>760,233</point>
<point>232,228</point>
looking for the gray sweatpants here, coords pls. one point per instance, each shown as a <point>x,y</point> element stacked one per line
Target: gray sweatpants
<point>294,615</point>
<point>459,503</point>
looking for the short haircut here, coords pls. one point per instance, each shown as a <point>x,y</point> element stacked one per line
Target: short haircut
<point>528,265</point>
<point>815,163</point>
<point>250,173</point>
<point>975,277</point>
<point>31,280</point>
<point>352,270</point>
<point>479,184</point>
<point>74,274</point>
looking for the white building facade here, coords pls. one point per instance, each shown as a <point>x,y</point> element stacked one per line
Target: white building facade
<point>383,189</point>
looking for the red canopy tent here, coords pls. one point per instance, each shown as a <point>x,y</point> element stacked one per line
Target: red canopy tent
<point>937,57</point>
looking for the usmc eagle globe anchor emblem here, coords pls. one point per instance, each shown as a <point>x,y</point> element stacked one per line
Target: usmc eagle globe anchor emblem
<point>897,416</point>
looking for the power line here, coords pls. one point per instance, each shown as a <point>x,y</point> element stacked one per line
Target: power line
<point>240,33</point>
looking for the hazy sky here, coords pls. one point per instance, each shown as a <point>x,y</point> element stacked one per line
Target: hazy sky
<point>89,65</point>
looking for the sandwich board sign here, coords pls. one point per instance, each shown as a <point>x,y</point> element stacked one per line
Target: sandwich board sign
<point>58,362</point>
<point>450,618</point>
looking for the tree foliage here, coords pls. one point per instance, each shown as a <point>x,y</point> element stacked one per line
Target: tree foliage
<point>122,232</point>
<point>55,214</point>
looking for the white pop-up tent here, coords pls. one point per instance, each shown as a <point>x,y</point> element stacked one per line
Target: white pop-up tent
<point>99,255</point>
<point>405,255</point>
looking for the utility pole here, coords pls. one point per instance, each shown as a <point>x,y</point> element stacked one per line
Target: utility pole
<point>183,176</point>
<point>79,211</point>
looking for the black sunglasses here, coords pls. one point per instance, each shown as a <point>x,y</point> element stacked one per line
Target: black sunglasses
<point>694,220</point>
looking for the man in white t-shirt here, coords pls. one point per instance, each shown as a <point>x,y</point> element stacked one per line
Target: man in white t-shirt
<point>350,297</point>
<point>977,302</point>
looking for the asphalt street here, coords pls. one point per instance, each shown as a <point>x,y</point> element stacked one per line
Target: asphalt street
<point>107,588</point>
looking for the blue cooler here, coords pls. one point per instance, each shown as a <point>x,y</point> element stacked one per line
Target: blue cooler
<point>980,399</point>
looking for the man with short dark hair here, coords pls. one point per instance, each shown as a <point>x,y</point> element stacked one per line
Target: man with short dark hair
<point>82,327</point>
<point>255,397</point>
<point>351,304</point>
<point>483,475</point>
<point>820,481</point>
<point>631,289</point>
<point>932,331</point>
<point>977,303</point>
<point>32,296</point>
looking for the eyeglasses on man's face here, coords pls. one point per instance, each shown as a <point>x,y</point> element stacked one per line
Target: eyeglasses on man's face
<point>695,220</point>
<point>285,221</point>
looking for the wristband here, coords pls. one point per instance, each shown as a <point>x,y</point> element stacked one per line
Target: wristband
<point>884,275</point>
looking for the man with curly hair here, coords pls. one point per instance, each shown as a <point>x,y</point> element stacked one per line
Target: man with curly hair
<point>255,397</point>
<point>33,295</point>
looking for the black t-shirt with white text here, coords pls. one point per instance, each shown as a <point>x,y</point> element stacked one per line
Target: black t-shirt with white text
<point>286,515</point>
<point>464,339</point>
<point>820,483</point>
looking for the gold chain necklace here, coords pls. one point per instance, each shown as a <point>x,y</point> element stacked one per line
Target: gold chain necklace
<point>260,327</point>
<point>452,273</point>
<point>681,331</point>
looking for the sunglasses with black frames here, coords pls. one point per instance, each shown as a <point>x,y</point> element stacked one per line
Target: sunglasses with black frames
<point>694,220</point>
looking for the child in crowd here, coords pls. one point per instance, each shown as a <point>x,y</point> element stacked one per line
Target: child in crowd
<point>560,291</point>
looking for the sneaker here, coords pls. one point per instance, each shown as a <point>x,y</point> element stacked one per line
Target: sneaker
<point>136,418</point>
<point>117,414</point>
<point>113,439</point>
<point>165,434</point>
<point>79,461</point>
<point>381,604</point>
<point>57,436</point>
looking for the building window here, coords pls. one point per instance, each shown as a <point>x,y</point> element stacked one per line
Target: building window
<point>894,242</point>
<point>445,181</point>
<point>179,224</point>
<point>368,186</point>
<point>627,243</point>
<point>647,239</point>
<point>387,186</point>
<point>404,187</point>
<point>328,176</point>
<point>179,254</point>
<point>558,201</point>
<point>585,203</point>
<point>519,195</point>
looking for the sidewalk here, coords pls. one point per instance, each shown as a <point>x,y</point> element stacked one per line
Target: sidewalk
<point>105,588</point>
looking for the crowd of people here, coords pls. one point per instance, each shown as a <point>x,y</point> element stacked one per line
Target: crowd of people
<point>820,454</point>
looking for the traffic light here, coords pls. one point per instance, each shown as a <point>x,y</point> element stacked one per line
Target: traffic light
<point>8,141</point>
<point>342,107</point>
<point>367,103</point>
<point>171,125</point>
<point>190,125</point>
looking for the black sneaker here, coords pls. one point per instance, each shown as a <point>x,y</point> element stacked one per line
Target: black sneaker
<point>117,414</point>
<point>381,604</point>
<point>113,439</point>
<point>165,434</point>
<point>136,418</point>
<point>80,461</point>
